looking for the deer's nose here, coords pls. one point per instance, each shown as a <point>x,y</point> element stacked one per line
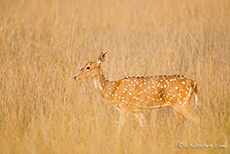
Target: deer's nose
<point>75,77</point>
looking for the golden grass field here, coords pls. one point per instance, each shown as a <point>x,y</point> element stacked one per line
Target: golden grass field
<point>43,43</point>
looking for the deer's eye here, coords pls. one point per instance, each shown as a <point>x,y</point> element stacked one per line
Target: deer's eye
<point>87,68</point>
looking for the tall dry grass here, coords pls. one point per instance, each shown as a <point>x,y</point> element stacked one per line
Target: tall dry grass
<point>44,43</point>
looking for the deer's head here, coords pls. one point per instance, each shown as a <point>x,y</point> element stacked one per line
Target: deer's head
<point>91,69</point>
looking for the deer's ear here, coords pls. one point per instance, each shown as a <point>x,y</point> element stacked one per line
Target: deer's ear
<point>101,58</point>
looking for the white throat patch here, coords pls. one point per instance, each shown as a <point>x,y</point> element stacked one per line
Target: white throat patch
<point>97,84</point>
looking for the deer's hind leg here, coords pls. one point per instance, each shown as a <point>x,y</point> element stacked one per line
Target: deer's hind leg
<point>140,117</point>
<point>179,116</point>
<point>122,119</point>
<point>188,113</point>
<point>183,109</point>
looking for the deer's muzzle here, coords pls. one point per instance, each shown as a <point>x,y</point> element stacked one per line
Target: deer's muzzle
<point>75,77</point>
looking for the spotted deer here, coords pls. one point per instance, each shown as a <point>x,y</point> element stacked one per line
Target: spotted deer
<point>138,93</point>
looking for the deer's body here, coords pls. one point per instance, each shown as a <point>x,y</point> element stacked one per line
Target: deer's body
<point>140,93</point>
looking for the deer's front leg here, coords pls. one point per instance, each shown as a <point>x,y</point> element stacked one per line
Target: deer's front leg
<point>140,117</point>
<point>122,119</point>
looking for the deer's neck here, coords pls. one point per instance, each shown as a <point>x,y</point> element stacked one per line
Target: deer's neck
<point>103,86</point>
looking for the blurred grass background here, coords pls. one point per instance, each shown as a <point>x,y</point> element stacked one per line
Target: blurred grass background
<point>43,43</point>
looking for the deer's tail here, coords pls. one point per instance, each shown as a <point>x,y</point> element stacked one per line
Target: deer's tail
<point>197,92</point>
